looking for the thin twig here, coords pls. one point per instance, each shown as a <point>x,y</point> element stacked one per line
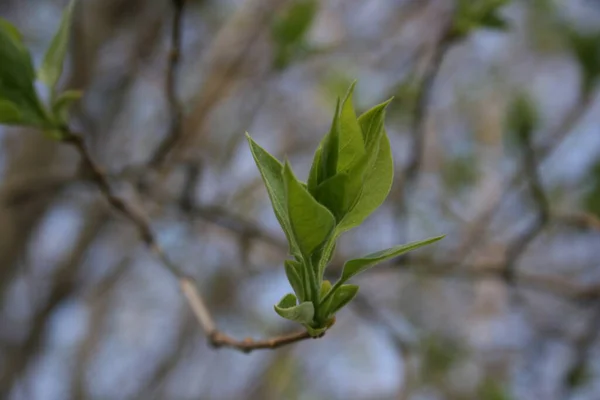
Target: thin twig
<point>187,285</point>
<point>175,106</point>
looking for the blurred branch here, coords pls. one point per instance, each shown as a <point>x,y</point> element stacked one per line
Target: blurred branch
<point>187,285</point>
<point>520,244</point>
<point>242,227</point>
<point>583,354</point>
<point>424,94</point>
<point>100,303</point>
<point>175,107</point>
<point>475,234</point>
<point>420,119</point>
<point>581,220</point>
<point>63,286</point>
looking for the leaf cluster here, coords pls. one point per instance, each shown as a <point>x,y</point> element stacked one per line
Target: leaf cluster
<point>20,104</point>
<point>350,177</point>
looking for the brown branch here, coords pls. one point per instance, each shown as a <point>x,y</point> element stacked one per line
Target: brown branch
<point>175,108</point>
<point>187,285</point>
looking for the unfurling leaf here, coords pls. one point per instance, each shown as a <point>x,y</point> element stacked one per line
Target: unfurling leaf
<point>376,187</point>
<point>356,266</point>
<point>296,277</point>
<point>342,296</point>
<point>310,221</point>
<point>351,148</point>
<point>271,171</point>
<point>288,309</point>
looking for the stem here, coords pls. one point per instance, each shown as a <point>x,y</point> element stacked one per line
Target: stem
<point>315,289</point>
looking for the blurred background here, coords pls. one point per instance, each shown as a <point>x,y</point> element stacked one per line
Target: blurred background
<point>496,140</point>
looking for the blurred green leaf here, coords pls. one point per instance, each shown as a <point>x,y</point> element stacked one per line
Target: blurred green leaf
<point>52,65</point>
<point>586,48</point>
<point>16,80</point>
<point>474,14</point>
<point>460,173</point>
<point>492,390</point>
<point>294,22</point>
<point>288,309</point>
<point>63,102</point>
<point>290,28</point>
<point>9,113</point>
<point>439,356</point>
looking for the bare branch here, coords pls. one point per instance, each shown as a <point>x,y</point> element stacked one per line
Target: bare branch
<point>520,244</point>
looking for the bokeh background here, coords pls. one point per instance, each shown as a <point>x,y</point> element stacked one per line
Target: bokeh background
<point>496,139</point>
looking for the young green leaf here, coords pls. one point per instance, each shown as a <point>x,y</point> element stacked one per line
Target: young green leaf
<point>342,296</point>
<point>351,145</point>
<point>295,275</point>
<point>376,187</point>
<point>371,124</point>
<point>356,266</point>
<point>52,65</point>
<point>271,171</point>
<point>302,313</point>
<point>330,147</point>
<point>313,175</point>
<point>63,102</point>
<point>331,194</point>
<point>310,221</point>
<point>325,287</point>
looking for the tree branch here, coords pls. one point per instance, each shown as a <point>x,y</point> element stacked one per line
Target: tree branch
<point>187,285</point>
